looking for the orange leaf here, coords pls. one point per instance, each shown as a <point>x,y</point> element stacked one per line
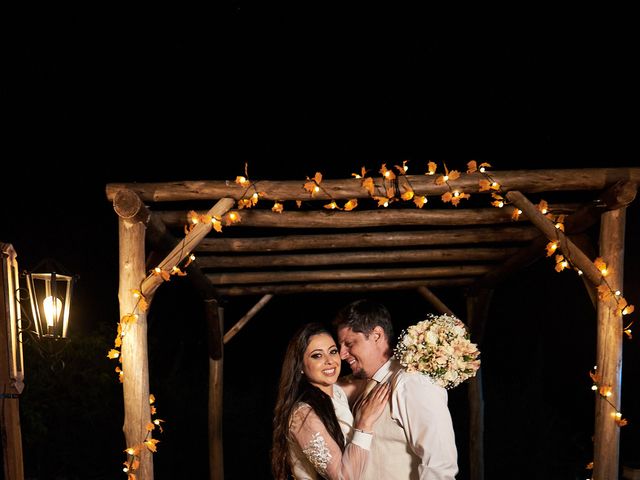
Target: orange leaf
<point>311,187</point>
<point>484,165</point>
<point>551,248</point>
<point>277,207</point>
<point>331,206</point>
<point>543,206</point>
<point>604,292</point>
<point>387,174</point>
<point>402,169</point>
<point>471,166</point>
<point>515,215</point>
<point>440,180</point>
<point>368,185</point>
<point>240,180</point>
<point>621,422</point>
<point>298,203</point>
<point>150,426</point>
<point>362,174</point>
<point>432,167</point>
<point>454,175</point>
<point>151,444</point>
<point>318,177</point>
<point>420,201</point>
<point>446,197</point>
<point>600,264</point>
<point>113,353</point>
<point>382,201</point>
<point>350,205</point>
<point>408,195</point>
<point>485,185</point>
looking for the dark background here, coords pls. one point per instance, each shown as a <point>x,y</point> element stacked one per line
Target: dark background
<point>102,95</point>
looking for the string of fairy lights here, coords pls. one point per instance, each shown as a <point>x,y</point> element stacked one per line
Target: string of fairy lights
<point>394,186</point>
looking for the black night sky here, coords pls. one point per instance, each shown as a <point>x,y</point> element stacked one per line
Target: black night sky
<point>98,96</point>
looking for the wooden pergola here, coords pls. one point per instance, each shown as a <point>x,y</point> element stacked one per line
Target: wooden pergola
<point>316,249</point>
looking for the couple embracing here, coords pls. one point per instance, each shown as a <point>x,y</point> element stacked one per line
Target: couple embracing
<point>379,423</point>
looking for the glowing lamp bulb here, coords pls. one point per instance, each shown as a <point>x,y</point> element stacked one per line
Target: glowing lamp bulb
<point>544,211</point>
<point>49,313</point>
<point>456,194</point>
<point>618,293</point>
<point>594,387</point>
<point>446,178</point>
<point>482,169</point>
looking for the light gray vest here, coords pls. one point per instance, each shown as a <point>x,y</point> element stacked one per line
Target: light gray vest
<point>390,457</point>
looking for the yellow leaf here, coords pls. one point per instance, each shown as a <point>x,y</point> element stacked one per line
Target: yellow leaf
<point>432,167</point>
<point>331,206</point>
<point>151,444</point>
<point>351,204</point>
<point>113,353</point>
<point>231,218</point>
<point>277,207</point>
<point>408,195</point>
<point>628,309</point>
<point>240,180</point>
<point>471,166</point>
<point>495,186</point>
<point>118,341</point>
<point>152,398</point>
<point>600,264</point>
<point>193,217</point>
<point>368,185</point>
<point>551,248</point>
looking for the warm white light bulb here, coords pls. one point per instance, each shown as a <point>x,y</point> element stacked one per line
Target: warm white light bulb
<point>49,313</point>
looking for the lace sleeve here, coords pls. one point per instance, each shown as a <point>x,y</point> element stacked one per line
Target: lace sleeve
<point>323,452</point>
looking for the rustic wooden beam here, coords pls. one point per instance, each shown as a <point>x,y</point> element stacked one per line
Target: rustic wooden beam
<point>618,195</point>
<point>382,217</point>
<point>216,394</point>
<point>521,180</point>
<point>285,289</point>
<point>359,257</point>
<point>248,316</point>
<point>609,349</point>
<point>235,278</point>
<point>548,229</point>
<point>184,247</point>
<point>516,234</point>
<point>477,313</point>
<point>134,350</point>
<point>433,299</point>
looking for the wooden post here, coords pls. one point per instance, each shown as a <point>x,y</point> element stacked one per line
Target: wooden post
<point>609,349</point>
<point>10,394</point>
<point>135,362</point>
<point>216,464</point>
<point>477,312</point>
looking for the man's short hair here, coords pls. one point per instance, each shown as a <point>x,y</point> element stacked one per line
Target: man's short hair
<point>363,316</point>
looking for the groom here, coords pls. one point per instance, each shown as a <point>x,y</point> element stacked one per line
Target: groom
<point>414,438</point>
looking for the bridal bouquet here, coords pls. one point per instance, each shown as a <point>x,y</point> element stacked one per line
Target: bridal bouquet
<point>440,348</point>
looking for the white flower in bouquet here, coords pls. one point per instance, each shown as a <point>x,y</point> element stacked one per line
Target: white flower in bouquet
<point>440,348</point>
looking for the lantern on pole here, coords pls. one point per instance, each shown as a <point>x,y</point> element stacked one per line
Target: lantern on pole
<point>49,289</point>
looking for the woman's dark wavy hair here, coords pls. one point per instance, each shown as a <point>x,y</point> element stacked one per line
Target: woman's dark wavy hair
<point>294,388</point>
